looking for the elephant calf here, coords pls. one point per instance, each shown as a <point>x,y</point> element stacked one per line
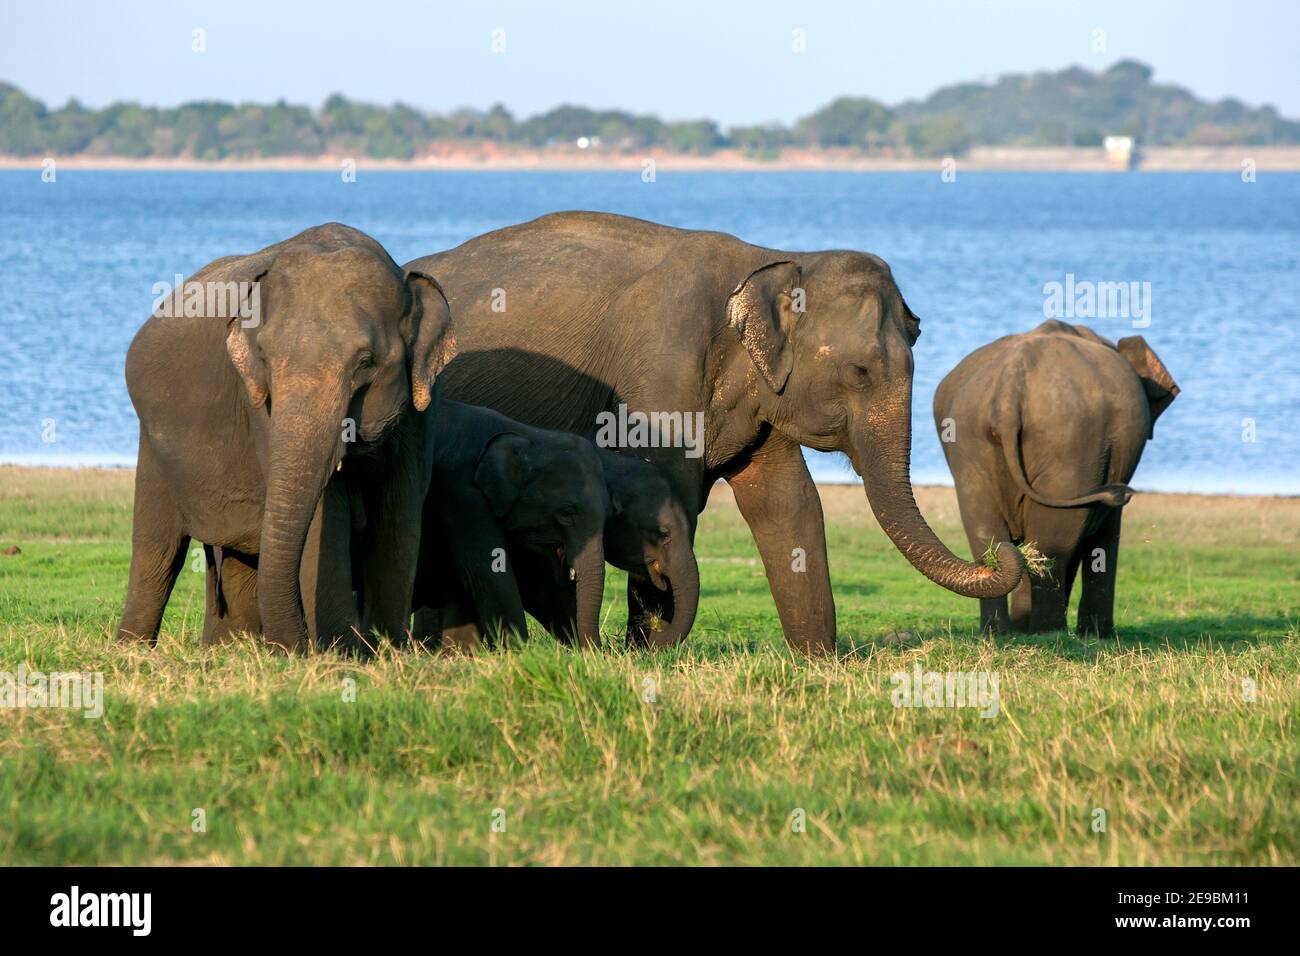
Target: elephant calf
<point>648,535</point>
<point>500,488</point>
<point>1042,432</point>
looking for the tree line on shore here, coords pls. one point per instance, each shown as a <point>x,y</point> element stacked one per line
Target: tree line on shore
<point>1071,107</point>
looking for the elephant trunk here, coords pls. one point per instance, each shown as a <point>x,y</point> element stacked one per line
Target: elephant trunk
<point>881,455</point>
<point>589,574</point>
<point>684,580</point>
<point>304,448</point>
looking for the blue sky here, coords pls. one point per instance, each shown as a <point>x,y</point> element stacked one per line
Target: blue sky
<point>730,61</point>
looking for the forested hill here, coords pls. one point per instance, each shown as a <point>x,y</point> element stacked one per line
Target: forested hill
<point>1071,107</point>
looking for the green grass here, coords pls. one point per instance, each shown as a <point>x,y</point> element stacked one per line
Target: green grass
<point>1154,728</point>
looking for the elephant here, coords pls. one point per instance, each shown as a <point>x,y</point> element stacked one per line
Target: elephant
<point>276,391</point>
<point>647,534</point>
<point>765,351</point>
<point>1042,432</point>
<point>499,489</point>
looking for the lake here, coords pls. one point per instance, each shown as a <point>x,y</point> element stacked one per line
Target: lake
<point>1215,260</point>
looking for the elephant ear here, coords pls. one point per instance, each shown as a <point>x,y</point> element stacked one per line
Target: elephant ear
<point>1156,380</point>
<point>243,308</point>
<point>427,330</point>
<point>502,470</point>
<point>248,363</point>
<point>761,311</point>
<point>614,468</point>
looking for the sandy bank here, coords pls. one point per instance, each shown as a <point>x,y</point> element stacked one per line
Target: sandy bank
<point>495,157</point>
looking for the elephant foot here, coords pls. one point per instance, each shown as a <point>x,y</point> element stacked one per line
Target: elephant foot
<point>1099,628</point>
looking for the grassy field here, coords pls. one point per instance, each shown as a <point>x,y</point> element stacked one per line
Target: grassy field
<point>1183,732</point>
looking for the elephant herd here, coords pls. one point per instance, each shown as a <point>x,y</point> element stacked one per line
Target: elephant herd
<point>368,450</point>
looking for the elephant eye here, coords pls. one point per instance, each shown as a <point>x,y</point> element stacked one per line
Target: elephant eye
<point>366,359</point>
<point>857,376</point>
<point>665,535</point>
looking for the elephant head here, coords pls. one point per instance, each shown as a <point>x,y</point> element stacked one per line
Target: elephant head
<point>549,495</point>
<point>648,535</point>
<point>332,345</point>
<point>829,344</point>
<point>1158,384</point>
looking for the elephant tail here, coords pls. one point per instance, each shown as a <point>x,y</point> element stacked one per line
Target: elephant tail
<point>1113,496</point>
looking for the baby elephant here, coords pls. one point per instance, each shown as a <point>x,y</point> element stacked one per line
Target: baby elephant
<point>648,535</point>
<point>1042,432</point>
<point>501,489</point>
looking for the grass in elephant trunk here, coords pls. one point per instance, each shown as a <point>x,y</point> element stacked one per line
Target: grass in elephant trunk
<point>1183,731</point>
<point>1036,563</point>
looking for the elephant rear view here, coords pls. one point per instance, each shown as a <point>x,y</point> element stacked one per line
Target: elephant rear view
<point>1042,432</point>
<point>256,382</point>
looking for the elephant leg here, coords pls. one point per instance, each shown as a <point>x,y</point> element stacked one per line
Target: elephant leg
<point>779,502</point>
<point>232,596</point>
<point>491,590</point>
<point>451,627</point>
<point>1056,532</point>
<point>547,596</point>
<point>498,610</point>
<point>1050,597</point>
<point>1022,599</point>
<point>984,523</point>
<point>326,573</point>
<point>239,592</point>
<point>158,546</point>
<point>426,625</point>
<point>390,547</point>
<point>435,586</point>
<point>458,629</point>
<point>211,594</point>
<point>1100,559</point>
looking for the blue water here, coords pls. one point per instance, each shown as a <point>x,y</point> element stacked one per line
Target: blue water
<point>79,258</point>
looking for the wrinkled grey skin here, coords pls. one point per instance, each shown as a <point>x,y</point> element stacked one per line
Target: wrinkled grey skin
<point>500,488</point>
<point>244,445</point>
<point>1049,426</point>
<point>647,534</point>
<point>776,349</point>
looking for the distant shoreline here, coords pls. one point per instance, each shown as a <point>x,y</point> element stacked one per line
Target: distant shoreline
<point>89,468</point>
<point>493,157</point>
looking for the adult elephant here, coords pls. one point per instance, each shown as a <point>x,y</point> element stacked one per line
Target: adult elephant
<point>773,349</point>
<point>1047,429</point>
<point>273,389</point>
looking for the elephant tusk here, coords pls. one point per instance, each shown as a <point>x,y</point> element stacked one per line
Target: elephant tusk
<point>573,574</point>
